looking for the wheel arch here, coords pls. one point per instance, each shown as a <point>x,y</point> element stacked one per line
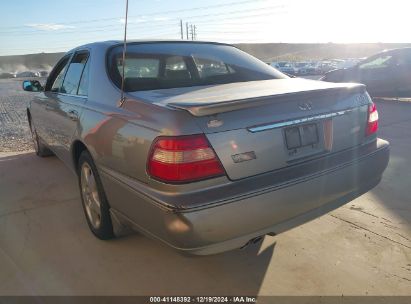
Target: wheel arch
<point>76,149</point>
<point>28,117</point>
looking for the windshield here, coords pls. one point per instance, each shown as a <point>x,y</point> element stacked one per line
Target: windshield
<point>151,66</point>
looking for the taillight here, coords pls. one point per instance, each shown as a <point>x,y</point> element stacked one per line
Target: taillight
<point>372,122</point>
<point>183,159</point>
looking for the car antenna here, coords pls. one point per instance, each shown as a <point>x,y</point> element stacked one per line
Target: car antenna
<point>122,98</point>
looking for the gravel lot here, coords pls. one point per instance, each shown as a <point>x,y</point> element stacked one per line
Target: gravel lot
<point>14,130</point>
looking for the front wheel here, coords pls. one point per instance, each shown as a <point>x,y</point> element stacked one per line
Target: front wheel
<point>95,204</point>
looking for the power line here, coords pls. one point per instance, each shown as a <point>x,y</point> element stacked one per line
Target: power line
<point>73,43</point>
<point>208,21</point>
<point>149,14</point>
<point>204,20</point>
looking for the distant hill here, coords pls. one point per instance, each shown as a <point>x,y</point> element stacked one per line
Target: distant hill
<point>286,51</point>
<point>36,62</point>
<point>265,51</point>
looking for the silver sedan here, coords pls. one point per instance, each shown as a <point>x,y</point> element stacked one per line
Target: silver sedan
<point>210,149</point>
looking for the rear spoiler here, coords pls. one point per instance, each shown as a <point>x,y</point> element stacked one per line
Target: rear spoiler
<point>205,109</point>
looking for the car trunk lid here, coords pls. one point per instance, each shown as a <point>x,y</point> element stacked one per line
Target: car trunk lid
<point>260,126</point>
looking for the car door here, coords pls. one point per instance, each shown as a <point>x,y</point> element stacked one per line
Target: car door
<point>65,105</point>
<point>377,74</point>
<point>40,107</point>
<point>403,66</point>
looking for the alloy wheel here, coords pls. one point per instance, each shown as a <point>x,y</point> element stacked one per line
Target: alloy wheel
<point>90,195</point>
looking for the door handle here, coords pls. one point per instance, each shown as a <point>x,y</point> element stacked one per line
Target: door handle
<point>73,115</point>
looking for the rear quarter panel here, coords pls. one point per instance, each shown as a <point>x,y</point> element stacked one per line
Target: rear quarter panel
<point>119,138</point>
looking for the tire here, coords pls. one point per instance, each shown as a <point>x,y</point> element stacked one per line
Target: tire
<point>95,205</point>
<point>40,148</point>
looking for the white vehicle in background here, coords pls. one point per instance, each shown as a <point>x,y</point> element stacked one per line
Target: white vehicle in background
<point>286,67</point>
<point>43,73</point>
<point>314,68</point>
<point>7,75</point>
<point>302,68</point>
<point>344,63</point>
<point>350,62</point>
<point>27,74</point>
<point>327,65</point>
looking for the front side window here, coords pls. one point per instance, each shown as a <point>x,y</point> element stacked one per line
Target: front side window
<point>377,62</point>
<point>152,66</point>
<point>72,80</point>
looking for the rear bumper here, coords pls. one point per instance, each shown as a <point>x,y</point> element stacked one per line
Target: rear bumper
<point>284,203</point>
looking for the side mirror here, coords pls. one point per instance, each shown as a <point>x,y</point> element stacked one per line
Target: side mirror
<point>32,86</point>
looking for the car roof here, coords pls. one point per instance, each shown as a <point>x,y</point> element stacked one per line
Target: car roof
<point>110,43</point>
<point>396,50</point>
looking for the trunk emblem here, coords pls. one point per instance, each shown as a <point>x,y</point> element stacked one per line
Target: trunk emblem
<point>305,106</point>
<point>242,157</point>
<point>215,123</point>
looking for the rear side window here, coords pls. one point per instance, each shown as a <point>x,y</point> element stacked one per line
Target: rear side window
<point>75,70</point>
<point>83,87</point>
<point>152,66</point>
<point>57,76</point>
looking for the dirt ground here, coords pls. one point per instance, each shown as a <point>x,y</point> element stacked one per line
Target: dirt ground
<point>14,130</point>
<point>362,248</point>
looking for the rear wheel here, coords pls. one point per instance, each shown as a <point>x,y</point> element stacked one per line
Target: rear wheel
<point>95,204</point>
<point>40,149</point>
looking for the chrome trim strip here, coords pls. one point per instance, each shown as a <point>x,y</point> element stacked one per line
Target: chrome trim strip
<point>72,95</point>
<point>298,121</point>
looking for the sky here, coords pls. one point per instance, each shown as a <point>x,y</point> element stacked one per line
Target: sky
<point>28,26</point>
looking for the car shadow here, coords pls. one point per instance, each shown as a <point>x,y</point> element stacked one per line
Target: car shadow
<point>43,231</point>
<point>385,211</point>
<point>395,126</point>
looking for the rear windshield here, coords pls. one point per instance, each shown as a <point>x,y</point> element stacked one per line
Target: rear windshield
<point>152,66</point>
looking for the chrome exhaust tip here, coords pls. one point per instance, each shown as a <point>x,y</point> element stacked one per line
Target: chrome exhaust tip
<point>253,241</point>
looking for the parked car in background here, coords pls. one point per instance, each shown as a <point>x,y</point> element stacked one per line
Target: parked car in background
<point>326,66</point>
<point>313,68</point>
<point>301,68</point>
<point>350,62</point>
<point>27,74</point>
<point>385,74</point>
<point>210,149</point>
<point>7,75</point>
<point>286,67</point>
<point>43,73</point>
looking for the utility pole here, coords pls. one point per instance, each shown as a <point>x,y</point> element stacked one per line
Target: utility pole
<point>192,31</point>
<point>187,29</point>
<point>181,29</point>
<point>195,32</point>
